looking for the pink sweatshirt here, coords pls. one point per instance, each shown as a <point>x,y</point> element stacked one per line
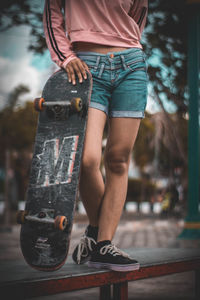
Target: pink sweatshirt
<point>116,23</point>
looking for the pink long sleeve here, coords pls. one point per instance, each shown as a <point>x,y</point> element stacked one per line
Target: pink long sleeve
<point>114,23</point>
<point>138,12</point>
<point>59,45</point>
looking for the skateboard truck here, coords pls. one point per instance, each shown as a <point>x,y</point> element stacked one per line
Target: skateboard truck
<point>44,216</point>
<point>75,104</point>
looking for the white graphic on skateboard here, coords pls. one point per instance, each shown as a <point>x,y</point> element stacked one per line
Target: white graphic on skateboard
<point>57,161</point>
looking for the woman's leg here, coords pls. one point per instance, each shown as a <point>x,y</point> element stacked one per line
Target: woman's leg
<point>121,139</point>
<point>91,181</point>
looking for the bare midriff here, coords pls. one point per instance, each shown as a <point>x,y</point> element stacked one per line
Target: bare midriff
<point>104,49</point>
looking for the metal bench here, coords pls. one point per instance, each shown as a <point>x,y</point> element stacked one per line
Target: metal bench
<point>19,281</point>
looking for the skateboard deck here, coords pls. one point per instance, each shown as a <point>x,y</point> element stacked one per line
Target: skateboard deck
<point>53,184</point>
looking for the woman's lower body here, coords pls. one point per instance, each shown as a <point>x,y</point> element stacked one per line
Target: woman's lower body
<point>118,97</point>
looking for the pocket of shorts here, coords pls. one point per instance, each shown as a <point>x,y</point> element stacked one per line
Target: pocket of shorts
<point>92,68</point>
<point>137,65</point>
<point>91,65</point>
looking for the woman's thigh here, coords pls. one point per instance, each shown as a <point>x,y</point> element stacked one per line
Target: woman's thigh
<point>93,138</point>
<point>121,139</point>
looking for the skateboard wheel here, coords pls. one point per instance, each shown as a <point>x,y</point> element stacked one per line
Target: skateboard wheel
<point>60,222</point>
<point>38,104</point>
<point>76,104</point>
<point>21,214</point>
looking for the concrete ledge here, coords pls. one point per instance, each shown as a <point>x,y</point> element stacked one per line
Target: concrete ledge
<point>18,280</point>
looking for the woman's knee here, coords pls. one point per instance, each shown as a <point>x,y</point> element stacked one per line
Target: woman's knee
<point>90,162</point>
<point>117,161</point>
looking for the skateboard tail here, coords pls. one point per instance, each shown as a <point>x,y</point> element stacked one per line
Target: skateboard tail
<point>44,250</point>
<point>47,269</point>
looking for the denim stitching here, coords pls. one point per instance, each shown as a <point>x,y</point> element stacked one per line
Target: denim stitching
<point>101,70</point>
<point>99,106</point>
<point>127,114</point>
<point>137,69</point>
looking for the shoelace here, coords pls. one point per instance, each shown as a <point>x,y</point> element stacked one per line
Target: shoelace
<point>112,249</point>
<point>84,245</point>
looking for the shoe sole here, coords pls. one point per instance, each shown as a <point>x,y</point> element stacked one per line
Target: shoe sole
<point>113,267</point>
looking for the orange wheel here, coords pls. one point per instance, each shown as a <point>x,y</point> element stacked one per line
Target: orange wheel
<point>76,104</point>
<point>60,222</point>
<point>38,104</point>
<point>21,214</point>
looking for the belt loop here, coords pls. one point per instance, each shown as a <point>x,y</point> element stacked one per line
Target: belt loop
<point>123,61</point>
<point>97,62</point>
<point>101,70</point>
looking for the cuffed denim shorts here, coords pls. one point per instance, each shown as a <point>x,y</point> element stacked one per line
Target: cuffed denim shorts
<point>119,82</point>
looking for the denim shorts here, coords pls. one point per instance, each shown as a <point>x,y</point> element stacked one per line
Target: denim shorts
<point>119,82</point>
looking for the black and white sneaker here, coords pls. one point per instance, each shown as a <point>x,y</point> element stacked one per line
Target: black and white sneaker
<point>108,256</point>
<point>82,252</point>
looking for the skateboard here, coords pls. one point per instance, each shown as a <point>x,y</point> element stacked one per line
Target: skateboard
<point>46,222</point>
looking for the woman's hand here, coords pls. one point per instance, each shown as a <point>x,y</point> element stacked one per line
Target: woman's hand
<point>76,67</point>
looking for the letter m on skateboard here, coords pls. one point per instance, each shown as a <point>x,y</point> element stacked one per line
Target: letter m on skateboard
<point>56,162</point>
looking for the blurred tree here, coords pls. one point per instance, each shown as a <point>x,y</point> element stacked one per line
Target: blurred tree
<point>14,122</point>
<point>156,153</point>
<point>17,132</point>
<point>134,190</point>
<point>13,97</point>
<point>166,41</point>
<point>24,12</point>
<point>166,47</point>
<point>144,145</point>
<point>168,154</point>
<point>17,128</point>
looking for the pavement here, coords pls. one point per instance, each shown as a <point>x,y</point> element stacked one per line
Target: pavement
<point>148,231</point>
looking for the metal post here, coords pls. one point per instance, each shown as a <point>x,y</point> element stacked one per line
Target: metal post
<point>197,284</point>
<point>6,226</point>
<point>192,221</point>
<point>120,291</point>
<point>105,292</point>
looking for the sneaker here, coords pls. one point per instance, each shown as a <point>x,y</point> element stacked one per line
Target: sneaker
<point>108,256</point>
<point>82,252</point>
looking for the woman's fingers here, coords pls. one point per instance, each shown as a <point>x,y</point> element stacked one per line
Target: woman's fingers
<point>70,72</point>
<point>76,67</point>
